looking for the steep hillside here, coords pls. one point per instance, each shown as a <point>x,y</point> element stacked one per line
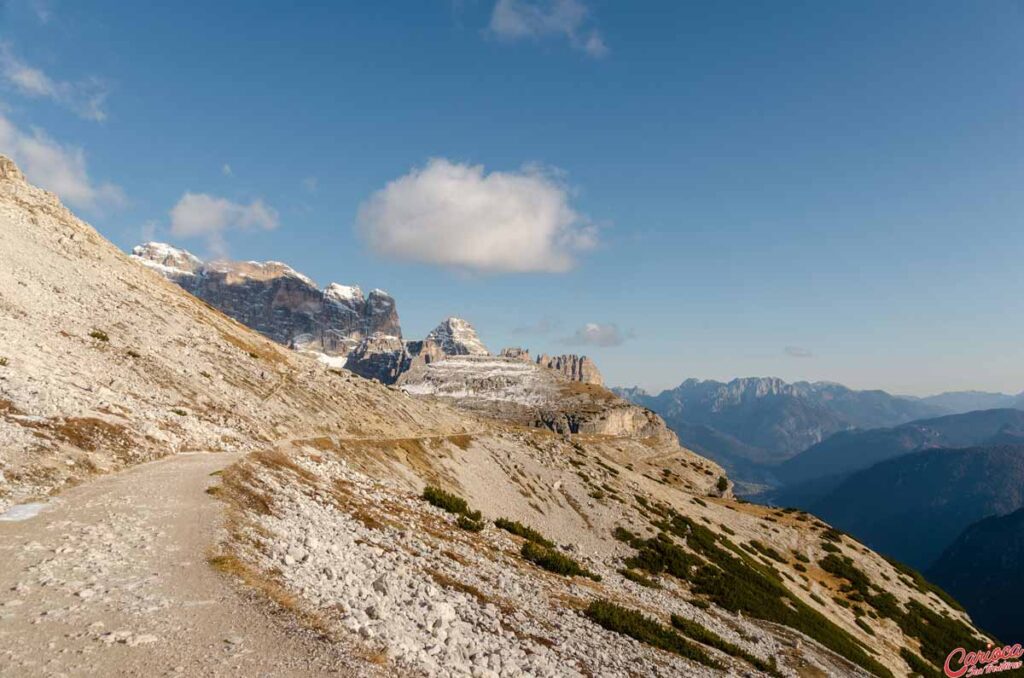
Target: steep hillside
<point>103,363</point>
<point>354,513</point>
<point>984,569</point>
<point>913,506</point>
<point>850,451</point>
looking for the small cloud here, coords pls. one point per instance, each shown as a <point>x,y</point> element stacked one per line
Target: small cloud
<point>536,19</point>
<point>207,216</point>
<point>227,171</point>
<point>42,10</point>
<point>56,167</point>
<point>797,352</point>
<point>459,216</point>
<point>598,334</point>
<point>86,98</point>
<point>311,184</point>
<point>545,325</point>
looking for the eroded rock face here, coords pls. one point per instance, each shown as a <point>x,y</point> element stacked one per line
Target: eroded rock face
<point>456,336</point>
<point>573,367</point>
<point>278,301</point>
<point>524,392</point>
<point>516,353</point>
<point>380,356</point>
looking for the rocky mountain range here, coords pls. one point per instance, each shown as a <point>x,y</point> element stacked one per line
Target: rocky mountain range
<point>339,525</point>
<point>753,425</point>
<point>279,302</point>
<point>357,332</point>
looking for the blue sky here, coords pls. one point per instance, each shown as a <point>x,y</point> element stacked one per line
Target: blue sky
<point>801,189</point>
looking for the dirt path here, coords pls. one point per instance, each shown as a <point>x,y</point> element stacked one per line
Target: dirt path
<point>112,579</point>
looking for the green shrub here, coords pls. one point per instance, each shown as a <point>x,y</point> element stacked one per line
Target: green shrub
<point>640,627</point>
<point>623,535</point>
<point>469,524</point>
<point>659,554</point>
<point>3,361</point>
<point>695,631</point>
<point>699,501</point>
<point>737,582</point>
<point>832,534</point>
<point>864,625</point>
<point>99,335</point>
<point>639,578</point>
<point>917,665</point>
<point>937,633</point>
<point>768,551</point>
<point>728,530</point>
<point>925,586</point>
<point>801,557</point>
<point>449,502</point>
<point>554,561</point>
<point>722,484</point>
<point>818,599</point>
<point>799,567</point>
<point>520,530</point>
<point>830,548</point>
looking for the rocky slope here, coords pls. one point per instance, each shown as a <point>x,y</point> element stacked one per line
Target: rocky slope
<point>983,567</point>
<point>279,302</point>
<point>104,363</point>
<point>107,364</point>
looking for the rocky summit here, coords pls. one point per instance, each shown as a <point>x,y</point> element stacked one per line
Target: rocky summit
<point>456,336</point>
<point>277,301</point>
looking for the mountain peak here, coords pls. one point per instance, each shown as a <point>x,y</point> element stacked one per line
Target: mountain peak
<point>9,170</point>
<point>457,337</point>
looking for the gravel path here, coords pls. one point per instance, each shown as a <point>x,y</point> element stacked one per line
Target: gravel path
<point>112,578</point>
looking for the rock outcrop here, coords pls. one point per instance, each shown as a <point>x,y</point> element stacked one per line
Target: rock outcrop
<point>278,301</point>
<point>456,336</point>
<point>574,367</point>
<point>516,353</point>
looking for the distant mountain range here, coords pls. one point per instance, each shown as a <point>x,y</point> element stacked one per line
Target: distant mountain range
<point>912,507</point>
<point>849,451</point>
<point>753,425</point>
<point>984,569</point>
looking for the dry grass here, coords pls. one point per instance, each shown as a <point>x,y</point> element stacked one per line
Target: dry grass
<point>268,588</point>
<point>266,350</point>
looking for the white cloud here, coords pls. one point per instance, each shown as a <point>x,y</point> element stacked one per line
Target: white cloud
<point>56,167</point>
<point>536,19</point>
<point>207,216</point>
<point>42,10</point>
<point>798,352</point>
<point>598,334</point>
<point>86,97</point>
<point>456,215</point>
<point>226,170</point>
